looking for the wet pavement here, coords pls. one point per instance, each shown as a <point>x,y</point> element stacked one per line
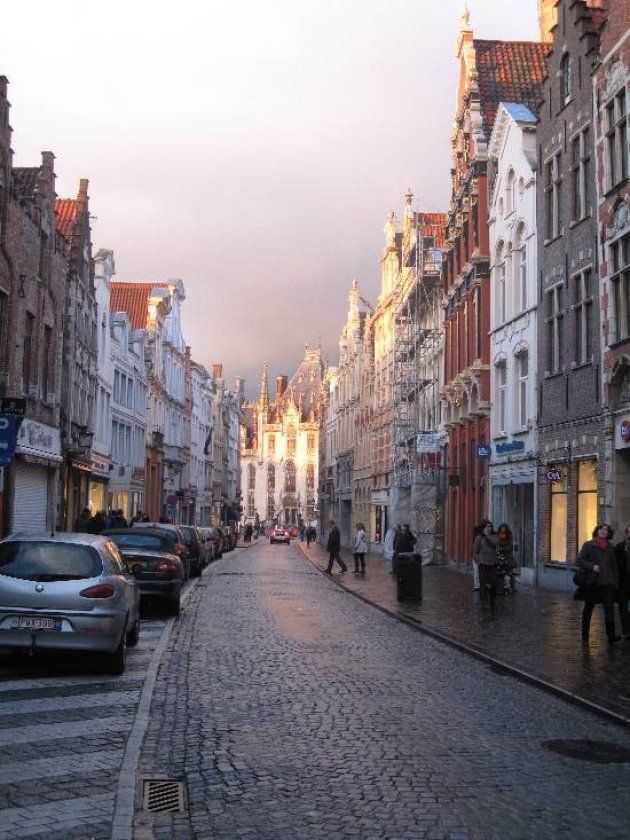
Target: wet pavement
<point>289,709</point>
<point>534,633</point>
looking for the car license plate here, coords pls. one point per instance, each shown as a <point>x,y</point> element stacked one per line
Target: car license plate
<point>36,622</point>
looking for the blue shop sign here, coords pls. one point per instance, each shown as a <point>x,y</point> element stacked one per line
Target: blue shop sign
<point>7,439</point>
<point>483,451</point>
<point>510,447</point>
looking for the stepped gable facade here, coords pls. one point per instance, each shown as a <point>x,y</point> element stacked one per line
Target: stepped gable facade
<point>489,72</point>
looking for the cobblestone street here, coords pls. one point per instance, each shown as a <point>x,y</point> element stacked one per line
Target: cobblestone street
<point>290,709</point>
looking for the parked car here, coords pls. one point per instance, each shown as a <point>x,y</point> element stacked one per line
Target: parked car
<point>279,534</point>
<point>193,544</point>
<point>181,549</point>
<point>151,558</point>
<point>207,547</point>
<point>67,592</point>
<point>213,539</point>
<point>225,542</point>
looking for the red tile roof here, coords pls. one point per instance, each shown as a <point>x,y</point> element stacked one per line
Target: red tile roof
<point>133,298</point>
<point>509,71</point>
<point>65,214</point>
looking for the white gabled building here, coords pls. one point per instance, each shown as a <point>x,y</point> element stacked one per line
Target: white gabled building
<point>513,335</point>
<point>201,448</point>
<point>104,271</point>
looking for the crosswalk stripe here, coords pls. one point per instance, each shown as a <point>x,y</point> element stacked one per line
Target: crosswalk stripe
<point>65,682</point>
<point>75,701</point>
<point>39,732</point>
<point>69,765</point>
<point>57,816</point>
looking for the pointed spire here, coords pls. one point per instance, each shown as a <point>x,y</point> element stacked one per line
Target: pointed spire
<point>465,17</point>
<point>263,397</point>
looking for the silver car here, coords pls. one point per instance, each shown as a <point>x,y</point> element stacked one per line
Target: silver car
<point>67,592</point>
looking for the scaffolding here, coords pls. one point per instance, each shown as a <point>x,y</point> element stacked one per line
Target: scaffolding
<point>417,346</point>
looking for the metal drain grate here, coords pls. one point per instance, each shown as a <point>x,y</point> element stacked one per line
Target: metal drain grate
<point>599,752</point>
<point>162,796</point>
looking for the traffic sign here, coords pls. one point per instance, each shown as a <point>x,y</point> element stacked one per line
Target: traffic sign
<point>7,438</point>
<point>483,451</point>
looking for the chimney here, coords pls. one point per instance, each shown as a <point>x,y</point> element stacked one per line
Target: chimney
<point>281,384</point>
<point>547,19</point>
<point>217,371</point>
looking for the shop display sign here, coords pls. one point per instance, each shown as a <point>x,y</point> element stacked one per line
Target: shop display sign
<point>625,430</point>
<point>553,474</point>
<point>483,451</point>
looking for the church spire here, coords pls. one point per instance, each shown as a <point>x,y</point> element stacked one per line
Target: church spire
<point>263,397</point>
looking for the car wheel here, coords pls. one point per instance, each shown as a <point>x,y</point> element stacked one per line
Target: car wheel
<point>118,659</point>
<point>133,635</point>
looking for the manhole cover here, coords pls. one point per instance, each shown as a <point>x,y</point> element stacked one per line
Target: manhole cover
<point>599,752</point>
<point>162,796</point>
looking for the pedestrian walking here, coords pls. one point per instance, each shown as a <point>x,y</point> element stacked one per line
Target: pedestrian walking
<point>597,564</point>
<point>622,555</point>
<point>478,529</point>
<point>82,521</point>
<point>360,549</point>
<point>505,558</point>
<point>333,547</point>
<point>485,555</point>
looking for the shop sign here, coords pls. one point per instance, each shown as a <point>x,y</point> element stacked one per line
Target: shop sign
<point>624,430</point>
<point>553,474</point>
<point>38,439</point>
<point>7,438</point>
<point>510,447</point>
<point>483,450</point>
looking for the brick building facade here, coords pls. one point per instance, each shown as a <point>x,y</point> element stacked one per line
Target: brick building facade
<point>570,428</point>
<point>490,72</point>
<point>611,96</point>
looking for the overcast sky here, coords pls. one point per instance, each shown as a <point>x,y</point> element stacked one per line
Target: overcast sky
<point>252,149</point>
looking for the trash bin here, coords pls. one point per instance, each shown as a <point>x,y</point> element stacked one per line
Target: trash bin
<point>409,576</point>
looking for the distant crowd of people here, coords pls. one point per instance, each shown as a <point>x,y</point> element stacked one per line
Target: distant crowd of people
<point>86,523</point>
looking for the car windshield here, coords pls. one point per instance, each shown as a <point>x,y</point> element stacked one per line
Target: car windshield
<point>133,539</point>
<point>48,561</point>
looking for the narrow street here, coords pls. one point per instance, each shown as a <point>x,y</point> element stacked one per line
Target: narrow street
<point>290,709</point>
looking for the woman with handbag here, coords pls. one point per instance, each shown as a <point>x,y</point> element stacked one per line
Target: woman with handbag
<point>598,567</point>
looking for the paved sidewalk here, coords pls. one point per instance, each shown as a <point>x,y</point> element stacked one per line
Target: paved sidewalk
<point>534,634</point>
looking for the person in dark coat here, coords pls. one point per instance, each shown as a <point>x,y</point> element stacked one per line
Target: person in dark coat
<point>82,521</point>
<point>597,557</point>
<point>407,541</point>
<point>333,547</point>
<point>622,555</point>
<point>485,555</point>
<point>96,523</point>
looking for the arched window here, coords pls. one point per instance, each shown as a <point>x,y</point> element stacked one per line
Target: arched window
<point>310,477</point>
<point>519,253</point>
<point>291,441</point>
<point>566,79</point>
<point>289,477</point>
<point>501,397</point>
<point>310,444</point>
<point>501,284</point>
<point>522,372</point>
<point>510,187</point>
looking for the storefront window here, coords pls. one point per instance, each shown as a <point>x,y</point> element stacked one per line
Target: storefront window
<point>587,501</point>
<point>558,537</point>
